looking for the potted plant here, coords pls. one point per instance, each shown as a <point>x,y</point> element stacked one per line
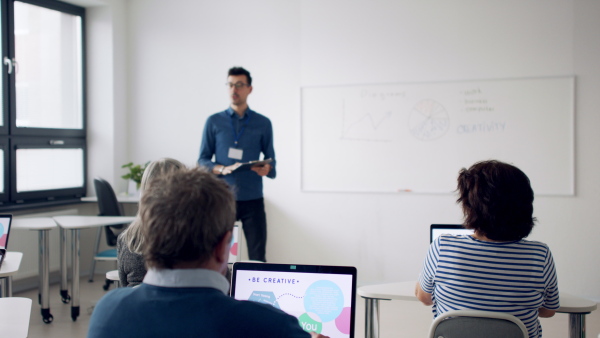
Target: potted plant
<point>136,171</point>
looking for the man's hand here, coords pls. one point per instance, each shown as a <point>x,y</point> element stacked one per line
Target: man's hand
<point>225,170</point>
<point>317,335</point>
<point>262,171</point>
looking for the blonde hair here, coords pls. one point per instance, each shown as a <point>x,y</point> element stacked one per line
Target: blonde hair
<point>132,236</point>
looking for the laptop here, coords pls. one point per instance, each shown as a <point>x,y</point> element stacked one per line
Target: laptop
<point>435,230</point>
<point>323,298</point>
<point>5,221</point>
<point>234,246</point>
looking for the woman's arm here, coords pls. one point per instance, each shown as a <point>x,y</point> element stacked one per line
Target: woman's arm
<point>545,313</point>
<point>423,296</point>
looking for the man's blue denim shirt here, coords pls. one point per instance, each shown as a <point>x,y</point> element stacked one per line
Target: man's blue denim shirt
<point>255,136</point>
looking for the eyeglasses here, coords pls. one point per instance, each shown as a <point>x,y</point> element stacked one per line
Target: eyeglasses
<point>237,85</point>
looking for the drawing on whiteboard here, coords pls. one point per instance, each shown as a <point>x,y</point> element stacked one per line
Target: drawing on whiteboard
<point>366,124</point>
<point>428,120</point>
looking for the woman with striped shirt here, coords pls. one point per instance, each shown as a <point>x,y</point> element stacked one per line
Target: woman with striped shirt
<point>494,269</point>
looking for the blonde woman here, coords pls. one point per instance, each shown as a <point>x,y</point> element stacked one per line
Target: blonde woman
<point>130,243</point>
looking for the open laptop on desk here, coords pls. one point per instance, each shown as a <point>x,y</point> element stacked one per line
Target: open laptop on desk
<point>5,221</point>
<point>323,298</point>
<point>435,230</point>
<point>234,246</point>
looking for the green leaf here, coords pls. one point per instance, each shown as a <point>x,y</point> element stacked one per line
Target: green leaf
<point>136,172</point>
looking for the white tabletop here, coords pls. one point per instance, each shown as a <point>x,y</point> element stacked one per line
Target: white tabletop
<point>573,304</point>
<point>83,222</point>
<point>398,291</point>
<point>406,291</point>
<point>14,316</point>
<point>120,199</point>
<point>11,264</point>
<point>34,223</point>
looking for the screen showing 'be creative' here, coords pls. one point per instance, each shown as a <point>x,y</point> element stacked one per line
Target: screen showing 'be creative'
<point>321,302</point>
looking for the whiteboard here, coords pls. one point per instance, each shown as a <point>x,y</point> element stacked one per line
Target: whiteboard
<point>415,137</point>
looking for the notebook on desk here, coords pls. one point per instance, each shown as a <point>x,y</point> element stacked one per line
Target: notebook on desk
<point>323,298</point>
<point>5,221</point>
<point>435,230</point>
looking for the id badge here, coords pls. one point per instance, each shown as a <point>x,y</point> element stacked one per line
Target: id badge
<point>235,153</point>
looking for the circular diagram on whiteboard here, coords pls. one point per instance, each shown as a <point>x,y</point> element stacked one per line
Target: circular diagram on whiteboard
<point>428,120</point>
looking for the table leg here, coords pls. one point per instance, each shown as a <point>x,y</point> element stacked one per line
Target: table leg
<point>371,317</point>
<point>8,286</point>
<point>577,325</point>
<point>44,272</point>
<point>64,291</point>
<point>75,273</point>
<point>40,268</point>
<point>95,252</point>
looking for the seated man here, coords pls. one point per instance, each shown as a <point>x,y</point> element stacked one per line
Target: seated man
<point>494,269</point>
<point>187,218</point>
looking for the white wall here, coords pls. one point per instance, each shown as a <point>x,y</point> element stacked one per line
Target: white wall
<point>157,70</point>
<point>179,52</point>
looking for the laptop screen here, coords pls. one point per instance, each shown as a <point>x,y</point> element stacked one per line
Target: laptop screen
<point>452,229</point>
<point>234,246</point>
<point>4,230</point>
<point>323,298</point>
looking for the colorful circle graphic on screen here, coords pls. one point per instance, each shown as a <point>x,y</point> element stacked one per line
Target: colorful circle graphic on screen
<point>2,236</point>
<point>325,299</point>
<point>309,324</point>
<point>234,249</point>
<point>342,322</point>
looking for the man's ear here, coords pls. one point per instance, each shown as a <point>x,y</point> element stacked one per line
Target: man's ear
<point>222,249</point>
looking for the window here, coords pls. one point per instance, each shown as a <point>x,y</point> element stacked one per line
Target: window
<point>42,124</point>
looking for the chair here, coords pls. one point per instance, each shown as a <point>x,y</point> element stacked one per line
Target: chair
<point>108,206</point>
<point>477,324</point>
<point>113,275</point>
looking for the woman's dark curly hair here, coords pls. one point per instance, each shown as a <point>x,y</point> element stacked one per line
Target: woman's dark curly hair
<point>497,200</point>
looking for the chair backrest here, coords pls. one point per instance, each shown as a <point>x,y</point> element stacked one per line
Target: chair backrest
<point>108,206</point>
<point>107,200</point>
<point>476,324</point>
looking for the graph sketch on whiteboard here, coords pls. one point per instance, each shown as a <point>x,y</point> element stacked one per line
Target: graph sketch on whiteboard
<point>367,124</point>
<point>428,120</point>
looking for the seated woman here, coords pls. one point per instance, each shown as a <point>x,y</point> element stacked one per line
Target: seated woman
<point>494,269</point>
<point>130,261</point>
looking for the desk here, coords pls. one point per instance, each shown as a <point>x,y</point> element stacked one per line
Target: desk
<point>576,307</point>
<point>120,199</point>
<point>10,266</point>
<point>43,225</point>
<point>14,316</point>
<point>75,224</point>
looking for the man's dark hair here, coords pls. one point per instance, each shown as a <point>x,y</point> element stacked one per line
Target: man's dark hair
<point>240,71</point>
<point>497,200</point>
<point>184,215</point>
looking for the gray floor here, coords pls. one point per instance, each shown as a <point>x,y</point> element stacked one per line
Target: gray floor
<point>398,318</point>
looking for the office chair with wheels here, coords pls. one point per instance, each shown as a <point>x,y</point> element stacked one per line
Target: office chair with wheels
<point>108,206</point>
<point>477,324</point>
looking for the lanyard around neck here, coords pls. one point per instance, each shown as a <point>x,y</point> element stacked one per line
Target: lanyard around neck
<point>236,136</point>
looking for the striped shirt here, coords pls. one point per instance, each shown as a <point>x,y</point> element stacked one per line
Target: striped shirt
<point>512,277</point>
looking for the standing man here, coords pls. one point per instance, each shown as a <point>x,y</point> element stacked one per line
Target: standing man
<point>239,135</point>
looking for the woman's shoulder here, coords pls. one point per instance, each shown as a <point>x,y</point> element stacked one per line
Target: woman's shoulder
<point>533,244</point>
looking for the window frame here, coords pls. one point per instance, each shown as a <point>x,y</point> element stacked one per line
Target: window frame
<point>13,137</point>
<point>44,143</point>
